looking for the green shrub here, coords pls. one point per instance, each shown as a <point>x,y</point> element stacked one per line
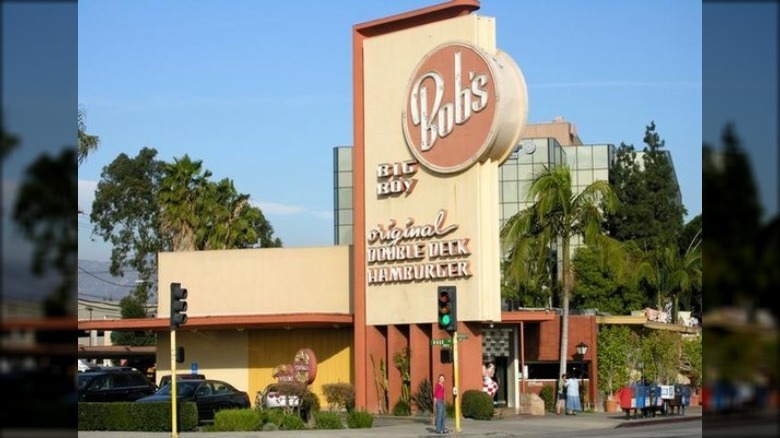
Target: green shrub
<point>327,420</point>
<point>548,395</point>
<point>339,396</point>
<point>360,420</point>
<point>450,410</point>
<point>291,422</point>
<point>401,408</point>
<point>272,416</point>
<point>147,417</point>
<point>239,420</point>
<point>422,399</point>
<point>477,404</point>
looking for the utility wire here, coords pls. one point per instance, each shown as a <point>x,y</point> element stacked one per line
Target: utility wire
<point>104,280</point>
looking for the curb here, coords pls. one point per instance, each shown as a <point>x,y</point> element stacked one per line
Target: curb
<point>646,422</point>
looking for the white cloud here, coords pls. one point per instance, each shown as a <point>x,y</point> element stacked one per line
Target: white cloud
<point>86,195</point>
<point>276,208</point>
<point>633,84</point>
<point>326,215</point>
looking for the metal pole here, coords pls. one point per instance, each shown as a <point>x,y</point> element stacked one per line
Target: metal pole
<point>456,380</point>
<point>582,381</point>
<point>174,428</point>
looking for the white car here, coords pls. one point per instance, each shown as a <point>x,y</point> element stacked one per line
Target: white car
<point>271,398</point>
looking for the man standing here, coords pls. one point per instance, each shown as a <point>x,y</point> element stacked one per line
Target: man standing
<point>439,406</point>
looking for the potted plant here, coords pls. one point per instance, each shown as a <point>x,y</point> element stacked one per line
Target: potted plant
<point>614,345</point>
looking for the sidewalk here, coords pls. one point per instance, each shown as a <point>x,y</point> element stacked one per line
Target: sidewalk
<point>508,425</point>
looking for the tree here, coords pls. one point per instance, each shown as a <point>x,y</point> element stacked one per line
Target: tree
<point>556,217</point>
<point>602,284</point>
<point>615,344</point>
<point>672,274</point>
<point>87,143</point>
<point>125,214</point>
<point>650,212</point>
<point>144,206</point>
<point>661,352</point>
<point>9,143</point>
<point>730,193</point>
<point>44,212</point>
<point>180,199</point>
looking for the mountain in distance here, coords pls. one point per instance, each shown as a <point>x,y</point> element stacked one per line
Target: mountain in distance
<point>97,283</point>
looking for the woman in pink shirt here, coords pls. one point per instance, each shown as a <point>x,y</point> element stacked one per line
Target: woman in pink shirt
<point>439,406</point>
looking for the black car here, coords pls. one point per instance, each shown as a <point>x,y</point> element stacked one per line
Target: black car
<point>166,379</point>
<point>113,384</point>
<point>209,395</point>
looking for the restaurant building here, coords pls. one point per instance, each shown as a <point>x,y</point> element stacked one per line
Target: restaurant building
<point>433,172</point>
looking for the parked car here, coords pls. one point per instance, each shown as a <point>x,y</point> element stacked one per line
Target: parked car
<point>209,395</point>
<point>271,398</point>
<point>113,384</point>
<point>164,380</point>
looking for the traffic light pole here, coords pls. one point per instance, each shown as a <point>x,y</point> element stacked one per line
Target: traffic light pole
<point>174,416</point>
<point>455,379</point>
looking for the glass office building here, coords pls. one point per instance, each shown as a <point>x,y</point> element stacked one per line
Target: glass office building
<point>588,162</point>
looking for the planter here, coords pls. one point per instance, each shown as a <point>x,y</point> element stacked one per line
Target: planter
<point>611,405</point>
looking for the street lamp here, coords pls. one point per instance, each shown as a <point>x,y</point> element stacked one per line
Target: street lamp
<point>582,348</point>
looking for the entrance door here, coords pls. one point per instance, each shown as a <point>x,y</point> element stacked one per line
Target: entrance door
<point>502,377</point>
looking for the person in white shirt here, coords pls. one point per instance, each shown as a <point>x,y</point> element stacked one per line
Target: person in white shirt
<point>572,396</point>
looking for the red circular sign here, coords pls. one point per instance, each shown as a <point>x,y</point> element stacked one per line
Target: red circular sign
<point>450,109</point>
<point>305,366</point>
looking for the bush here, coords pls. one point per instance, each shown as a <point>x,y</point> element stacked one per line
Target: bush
<point>423,398</point>
<point>271,416</point>
<point>548,395</point>
<point>477,405</point>
<point>239,420</point>
<point>291,422</point>
<point>151,417</point>
<point>339,396</point>
<point>327,420</point>
<point>360,420</point>
<point>402,409</point>
<point>450,410</point>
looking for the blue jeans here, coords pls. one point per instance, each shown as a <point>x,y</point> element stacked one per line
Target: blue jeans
<point>441,414</point>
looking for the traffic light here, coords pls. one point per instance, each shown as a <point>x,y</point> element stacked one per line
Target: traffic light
<point>179,354</point>
<point>178,305</point>
<point>448,315</point>
<point>445,355</point>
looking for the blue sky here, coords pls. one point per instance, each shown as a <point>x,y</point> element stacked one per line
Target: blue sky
<point>260,91</point>
<point>39,94</point>
<point>740,85</point>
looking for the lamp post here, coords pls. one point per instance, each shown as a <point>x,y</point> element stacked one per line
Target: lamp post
<point>582,348</point>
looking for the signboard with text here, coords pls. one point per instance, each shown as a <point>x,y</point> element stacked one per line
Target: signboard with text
<point>442,114</point>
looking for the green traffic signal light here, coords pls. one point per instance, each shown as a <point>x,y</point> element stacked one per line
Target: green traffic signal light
<point>446,308</point>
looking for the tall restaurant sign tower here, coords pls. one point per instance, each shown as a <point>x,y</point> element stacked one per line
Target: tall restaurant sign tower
<point>437,108</point>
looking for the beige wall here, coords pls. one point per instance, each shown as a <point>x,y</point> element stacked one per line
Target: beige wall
<point>470,198</point>
<point>561,130</point>
<point>264,281</point>
<point>221,355</point>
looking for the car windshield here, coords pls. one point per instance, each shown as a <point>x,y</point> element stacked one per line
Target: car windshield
<point>183,388</point>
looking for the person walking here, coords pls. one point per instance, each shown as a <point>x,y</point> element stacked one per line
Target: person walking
<point>439,406</point>
<point>572,396</point>
<point>560,404</point>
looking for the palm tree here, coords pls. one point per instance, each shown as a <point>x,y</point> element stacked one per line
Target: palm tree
<point>556,217</point>
<point>673,273</point>
<point>180,198</point>
<point>87,143</point>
